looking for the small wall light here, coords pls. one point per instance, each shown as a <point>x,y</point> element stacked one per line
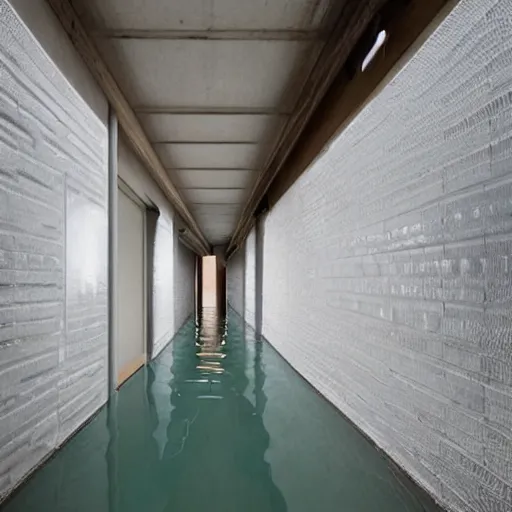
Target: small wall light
<point>379,42</point>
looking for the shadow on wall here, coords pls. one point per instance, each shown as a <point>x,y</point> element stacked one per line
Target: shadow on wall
<point>151,224</point>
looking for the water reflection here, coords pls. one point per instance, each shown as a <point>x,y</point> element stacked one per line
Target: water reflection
<point>216,440</point>
<point>191,433</point>
<point>211,333</point>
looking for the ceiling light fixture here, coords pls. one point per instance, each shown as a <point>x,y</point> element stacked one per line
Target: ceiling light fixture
<point>379,42</point>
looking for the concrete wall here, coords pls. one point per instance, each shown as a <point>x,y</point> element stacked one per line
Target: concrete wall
<point>387,271</point>
<point>172,265</point>
<point>184,275</point>
<point>236,282</point>
<point>163,285</point>
<point>241,280</point>
<point>53,240</point>
<point>250,279</point>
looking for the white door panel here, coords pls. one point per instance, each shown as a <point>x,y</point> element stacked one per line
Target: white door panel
<point>130,350</point>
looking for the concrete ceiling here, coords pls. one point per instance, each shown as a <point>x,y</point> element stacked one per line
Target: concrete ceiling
<point>213,83</point>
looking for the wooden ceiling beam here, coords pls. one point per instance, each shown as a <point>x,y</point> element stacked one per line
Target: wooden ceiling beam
<point>125,114</point>
<point>329,108</point>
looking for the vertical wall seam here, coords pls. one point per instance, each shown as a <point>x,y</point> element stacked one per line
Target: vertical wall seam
<point>113,134</point>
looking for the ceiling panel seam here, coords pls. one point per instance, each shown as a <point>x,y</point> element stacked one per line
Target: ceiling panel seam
<point>211,35</point>
<point>210,110</point>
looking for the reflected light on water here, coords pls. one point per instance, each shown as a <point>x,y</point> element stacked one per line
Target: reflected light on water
<point>211,332</point>
<point>246,434</point>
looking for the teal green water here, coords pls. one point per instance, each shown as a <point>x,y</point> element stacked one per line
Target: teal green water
<point>218,423</point>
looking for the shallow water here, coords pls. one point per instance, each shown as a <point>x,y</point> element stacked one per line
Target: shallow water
<point>218,422</point>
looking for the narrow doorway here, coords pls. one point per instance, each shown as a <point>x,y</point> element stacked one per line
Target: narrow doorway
<point>213,284</point>
<point>209,282</point>
<point>130,351</point>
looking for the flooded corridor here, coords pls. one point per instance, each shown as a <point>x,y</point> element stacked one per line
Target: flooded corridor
<point>218,422</point>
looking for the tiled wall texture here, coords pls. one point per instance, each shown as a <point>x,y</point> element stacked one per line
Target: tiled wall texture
<point>241,280</point>
<point>163,284</point>
<point>173,284</point>
<point>184,276</point>
<point>53,254</point>
<point>250,279</point>
<point>388,265</point>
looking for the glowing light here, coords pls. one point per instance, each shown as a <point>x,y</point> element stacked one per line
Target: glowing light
<point>379,42</point>
<point>211,354</point>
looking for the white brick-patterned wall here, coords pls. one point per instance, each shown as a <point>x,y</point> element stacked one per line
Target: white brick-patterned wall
<point>387,266</point>
<point>53,251</point>
<point>184,276</point>
<point>250,279</point>
<point>241,280</point>
<point>163,284</point>
<point>173,283</point>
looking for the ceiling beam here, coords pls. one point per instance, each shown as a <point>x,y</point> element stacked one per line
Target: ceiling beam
<point>187,169</point>
<point>190,241</point>
<point>212,188</point>
<point>231,111</point>
<point>218,204</point>
<point>355,20</point>
<point>125,114</point>
<point>207,142</point>
<point>211,35</point>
